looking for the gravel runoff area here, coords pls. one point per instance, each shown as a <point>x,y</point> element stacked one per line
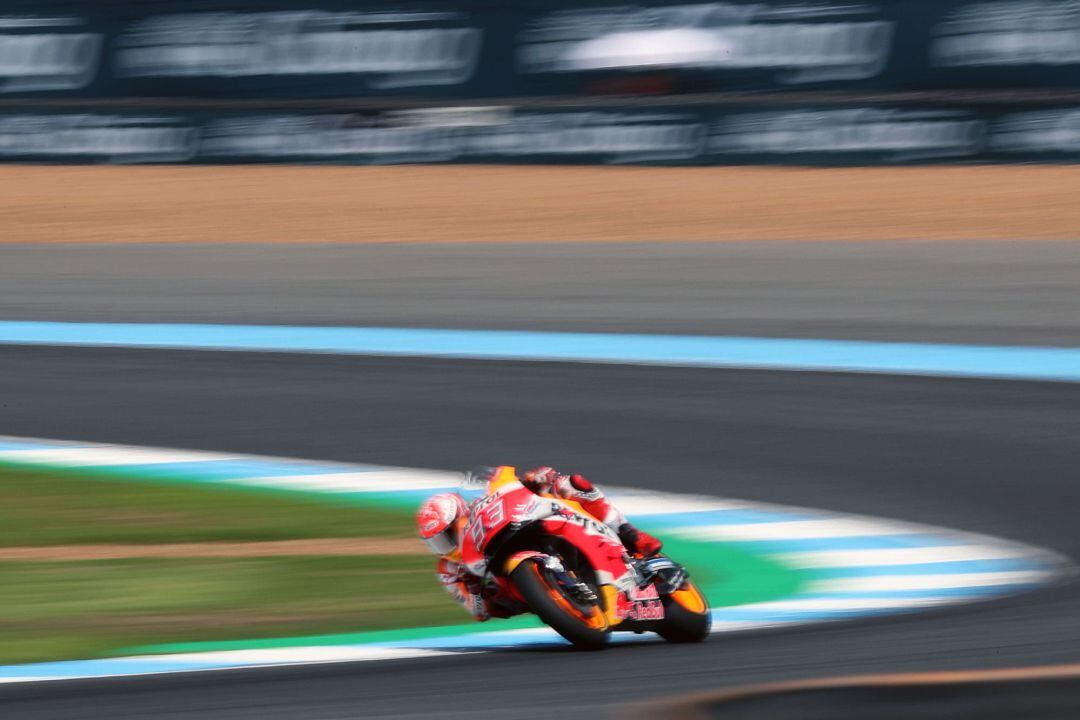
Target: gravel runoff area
<point>515,203</point>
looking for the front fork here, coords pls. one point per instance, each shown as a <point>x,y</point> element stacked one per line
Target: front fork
<point>553,566</point>
<point>575,587</point>
<point>665,573</point>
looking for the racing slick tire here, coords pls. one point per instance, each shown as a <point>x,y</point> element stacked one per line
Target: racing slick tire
<point>584,626</point>
<point>686,615</point>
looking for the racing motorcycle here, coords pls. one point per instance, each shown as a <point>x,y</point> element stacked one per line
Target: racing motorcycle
<point>573,572</point>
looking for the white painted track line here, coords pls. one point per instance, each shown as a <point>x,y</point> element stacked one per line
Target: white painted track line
<point>832,527</point>
<point>898,556</point>
<point>945,581</point>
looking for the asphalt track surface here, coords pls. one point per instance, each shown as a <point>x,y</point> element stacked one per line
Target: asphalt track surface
<point>984,456</point>
<point>991,292</point>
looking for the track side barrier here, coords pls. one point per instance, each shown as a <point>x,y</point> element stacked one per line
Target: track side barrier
<point>813,134</point>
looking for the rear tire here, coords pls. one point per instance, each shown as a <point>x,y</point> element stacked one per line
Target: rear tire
<point>585,629</point>
<point>686,616</point>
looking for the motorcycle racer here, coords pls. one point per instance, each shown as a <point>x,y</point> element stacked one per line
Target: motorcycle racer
<point>441,519</point>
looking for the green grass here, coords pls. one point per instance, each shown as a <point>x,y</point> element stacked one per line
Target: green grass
<point>73,609</point>
<point>62,610</point>
<point>39,507</point>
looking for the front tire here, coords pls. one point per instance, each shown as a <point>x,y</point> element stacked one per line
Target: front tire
<point>585,627</point>
<point>686,615</point>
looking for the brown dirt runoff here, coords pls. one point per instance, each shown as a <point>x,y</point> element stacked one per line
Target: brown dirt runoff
<point>56,204</point>
<point>277,548</point>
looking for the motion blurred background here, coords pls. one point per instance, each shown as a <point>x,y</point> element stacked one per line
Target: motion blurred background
<point>893,171</point>
<point>539,81</point>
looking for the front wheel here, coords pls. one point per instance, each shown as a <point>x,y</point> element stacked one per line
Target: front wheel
<point>686,615</point>
<point>584,625</point>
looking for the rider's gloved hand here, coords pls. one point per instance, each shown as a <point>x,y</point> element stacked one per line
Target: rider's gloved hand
<point>452,572</point>
<point>477,604</point>
<point>541,479</point>
<point>639,541</point>
<point>448,570</point>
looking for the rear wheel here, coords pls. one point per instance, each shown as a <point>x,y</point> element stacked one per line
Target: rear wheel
<point>583,624</point>
<point>686,615</point>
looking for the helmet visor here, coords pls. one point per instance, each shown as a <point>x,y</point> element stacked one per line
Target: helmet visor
<point>442,543</point>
